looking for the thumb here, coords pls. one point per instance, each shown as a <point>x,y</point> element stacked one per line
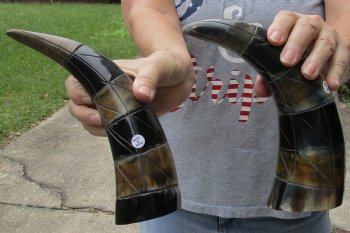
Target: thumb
<point>147,78</point>
<point>144,76</point>
<point>144,87</point>
<point>260,88</point>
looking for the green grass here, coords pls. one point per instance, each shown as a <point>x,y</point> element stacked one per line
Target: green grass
<point>344,93</point>
<point>31,85</point>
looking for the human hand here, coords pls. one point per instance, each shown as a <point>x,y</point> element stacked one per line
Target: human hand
<point>163,80</point>
<point>327,51</point>
<point>82,107</point>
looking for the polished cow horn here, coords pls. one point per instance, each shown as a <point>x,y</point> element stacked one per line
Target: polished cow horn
<point>146,181</point>
<point>311,161</point>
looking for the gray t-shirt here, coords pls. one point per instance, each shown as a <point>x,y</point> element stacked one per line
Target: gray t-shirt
<point>225,140</point>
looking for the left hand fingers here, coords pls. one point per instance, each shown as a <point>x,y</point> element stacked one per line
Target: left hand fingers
<point>302,32</point>
<point>325,46</point>
<point>338,66</point>
<point>298,32</point>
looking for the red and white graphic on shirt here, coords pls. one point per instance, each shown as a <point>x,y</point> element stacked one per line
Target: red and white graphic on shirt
<point>246,99</point>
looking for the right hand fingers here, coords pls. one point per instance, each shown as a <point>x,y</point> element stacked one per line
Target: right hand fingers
<point>144,75</point>
<point>161,69</point>
<point>81,108</point>
<point>76,92</point>
<point>84,113</point>
<point>95,130</point>
<point>164,79</point>
<point>147,74</point>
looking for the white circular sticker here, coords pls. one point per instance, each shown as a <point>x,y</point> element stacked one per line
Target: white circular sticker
<point>326,87</point>
<point>138,141</point>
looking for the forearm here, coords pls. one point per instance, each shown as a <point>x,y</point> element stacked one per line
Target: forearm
<point>153,25</point>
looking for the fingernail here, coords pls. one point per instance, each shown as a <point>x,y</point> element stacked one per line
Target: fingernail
<point>310,70</point>
<point>146,91</point>
<point>86,99</point>
<point>276,36</point>
<point>95,119</point>
<point>288,56</point>
<point>337,84</point>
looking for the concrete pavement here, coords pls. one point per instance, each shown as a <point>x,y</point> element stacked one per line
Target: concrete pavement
<point>54,179</point>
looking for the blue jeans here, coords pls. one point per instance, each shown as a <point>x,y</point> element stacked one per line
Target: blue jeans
<point>188,222</point>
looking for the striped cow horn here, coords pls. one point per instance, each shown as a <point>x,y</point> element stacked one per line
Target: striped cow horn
<point>311,160</point>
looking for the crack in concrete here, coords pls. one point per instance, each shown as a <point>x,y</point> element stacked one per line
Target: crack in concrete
<point>339,230</point>
<point>25,175</point>
<point>57,190</point>
<point>93,210</point>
